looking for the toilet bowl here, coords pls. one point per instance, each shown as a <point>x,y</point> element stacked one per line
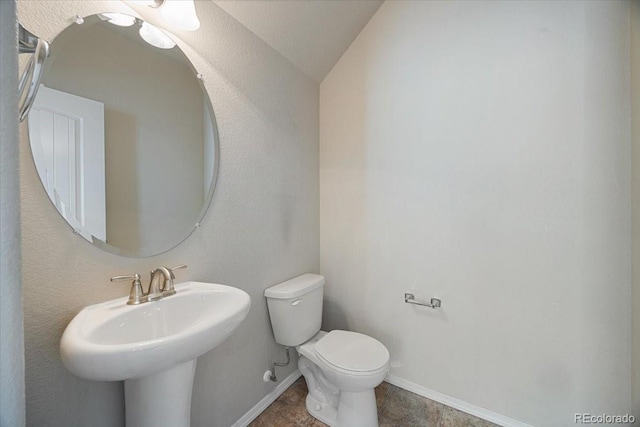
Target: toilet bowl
<point>341,368</point>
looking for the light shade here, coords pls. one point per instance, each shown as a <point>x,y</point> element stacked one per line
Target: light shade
<point>181,13</point>
<point>119,19</point>
<point>155,37</point>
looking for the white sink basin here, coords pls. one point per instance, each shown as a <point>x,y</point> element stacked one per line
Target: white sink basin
<point>114,341</point>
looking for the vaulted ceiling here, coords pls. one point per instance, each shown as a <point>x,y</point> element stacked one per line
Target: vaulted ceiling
<point>312,34</point>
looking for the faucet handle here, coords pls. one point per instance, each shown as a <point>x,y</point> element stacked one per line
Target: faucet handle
<point>178,267</point>
<point>136,276</point>
<point>169,288</point>
<point>136,295</point>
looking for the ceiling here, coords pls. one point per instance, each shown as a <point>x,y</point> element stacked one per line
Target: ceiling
<point>312,34</point>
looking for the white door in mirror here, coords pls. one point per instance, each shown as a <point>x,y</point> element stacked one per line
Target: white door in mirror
<point>67,142</point>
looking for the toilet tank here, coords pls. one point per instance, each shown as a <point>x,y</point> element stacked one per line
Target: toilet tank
<point>295,308</point>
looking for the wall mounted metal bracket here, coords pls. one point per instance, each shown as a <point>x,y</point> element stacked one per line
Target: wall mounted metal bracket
<point>410,299</point>
<point>30,79</point>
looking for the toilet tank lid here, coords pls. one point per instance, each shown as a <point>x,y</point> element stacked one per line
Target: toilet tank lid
<point>295,287</point>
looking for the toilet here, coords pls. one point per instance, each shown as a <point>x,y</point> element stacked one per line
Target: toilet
<point>341,368</point>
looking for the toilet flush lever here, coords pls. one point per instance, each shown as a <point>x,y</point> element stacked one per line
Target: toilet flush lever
<point>410,299</point>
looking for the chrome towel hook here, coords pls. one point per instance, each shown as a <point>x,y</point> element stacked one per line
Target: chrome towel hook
<point>30,79</point>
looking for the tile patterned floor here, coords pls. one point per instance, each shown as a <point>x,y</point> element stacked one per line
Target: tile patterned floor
<point>396,408</point>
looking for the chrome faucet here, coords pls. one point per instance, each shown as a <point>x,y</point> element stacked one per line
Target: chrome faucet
<point>160,285</point>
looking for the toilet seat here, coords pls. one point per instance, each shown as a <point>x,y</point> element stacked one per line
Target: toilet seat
<point>352,353</point>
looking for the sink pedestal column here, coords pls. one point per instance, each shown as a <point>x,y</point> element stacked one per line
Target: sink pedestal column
<point>161,399</point>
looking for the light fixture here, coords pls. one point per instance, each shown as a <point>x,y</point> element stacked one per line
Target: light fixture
<point>149,33</point>
<point>118,19</point>
<point>179,13</point>
<point>155,37</point>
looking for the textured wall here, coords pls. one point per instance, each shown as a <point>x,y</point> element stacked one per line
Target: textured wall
<point>11,338</point>
<point>261,228</point>
<point>480,152</point>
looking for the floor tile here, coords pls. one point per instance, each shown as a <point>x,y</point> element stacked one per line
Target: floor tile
<point>407,409</point>
<point>454,418</point>
<point>296,412</point>
<point>396,408</point>
<point>316,423</point>
<point>381,393</point>
<point>385,422</point>
<point>296,393</point>
<point>272,417</point>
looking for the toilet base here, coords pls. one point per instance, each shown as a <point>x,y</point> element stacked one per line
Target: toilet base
<point>357,409</point>
<point>354,410</point>
<point>321,411</point>
<point>332,405</point>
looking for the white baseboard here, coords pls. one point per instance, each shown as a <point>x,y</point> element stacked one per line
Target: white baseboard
<point>259,407</point>
<point>458,404</point>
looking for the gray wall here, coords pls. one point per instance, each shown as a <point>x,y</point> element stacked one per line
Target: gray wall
<point>11,338</point>
<point>261,228</point>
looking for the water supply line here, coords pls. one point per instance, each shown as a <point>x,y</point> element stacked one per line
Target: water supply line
<point>273,377</point>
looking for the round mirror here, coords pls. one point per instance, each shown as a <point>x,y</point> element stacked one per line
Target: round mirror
<point>123,136</point>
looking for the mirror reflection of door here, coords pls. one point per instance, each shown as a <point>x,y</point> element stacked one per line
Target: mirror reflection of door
<point>67,141</point>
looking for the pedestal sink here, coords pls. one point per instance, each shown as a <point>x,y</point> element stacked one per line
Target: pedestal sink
<point>153,347</point>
